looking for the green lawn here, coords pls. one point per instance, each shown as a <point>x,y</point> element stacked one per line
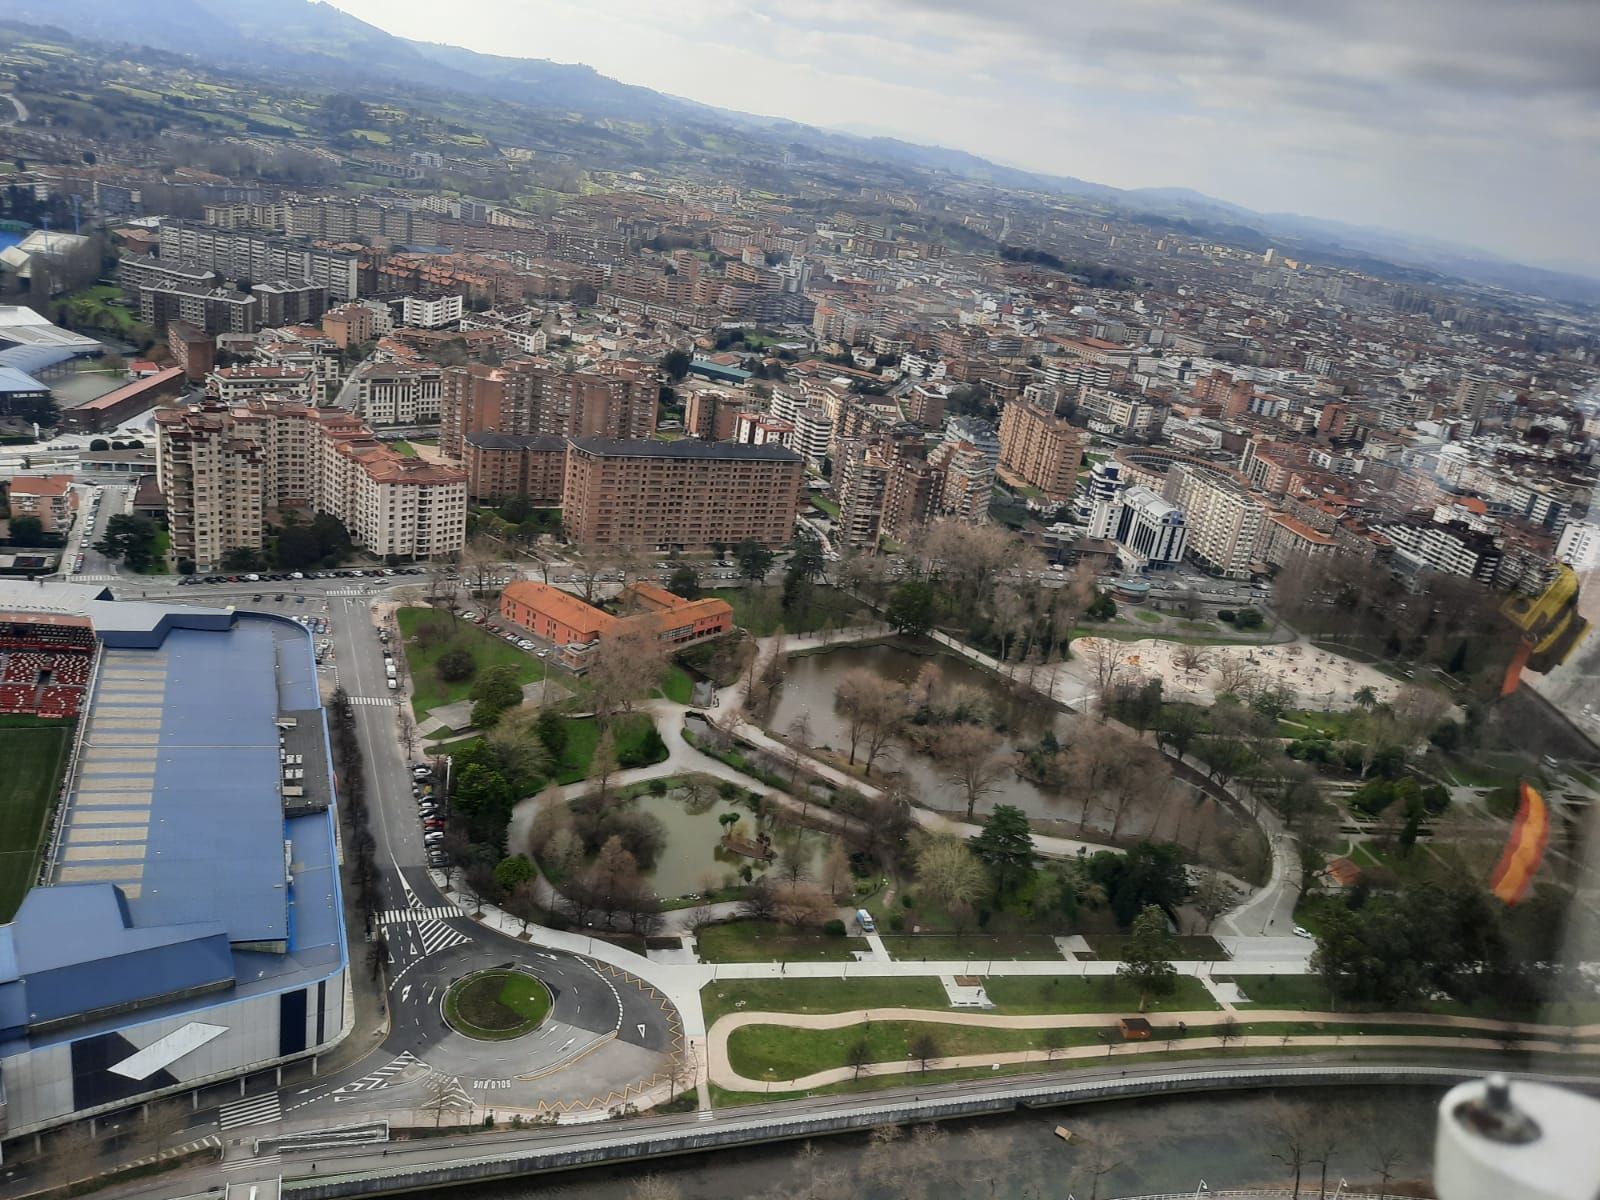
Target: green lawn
<point>34,752</point>
<point>429,691</point>
<point>676,685</point>
<point>948,947</point>
<point>628,732</point>
<point>497,1005</point>
<point>789,1053</point>
<point>767,941</point>
<point>1105,993</point>
<point>1285,991</point>
<point>1194,948</point>
<point>760,610</point>
<point>403,449</point>
<point>1153,618</point>
<point>826,505</point>
<point>819,995</point>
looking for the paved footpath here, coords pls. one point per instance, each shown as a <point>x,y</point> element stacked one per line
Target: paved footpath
<point>722,1073</point>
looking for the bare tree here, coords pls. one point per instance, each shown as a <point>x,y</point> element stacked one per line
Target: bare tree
<point>1386,1149</point>
<point>524,905</point>
<point>924,1048</point>
<point>71,1153</point>
<point>1106,656</point>
<point>623,669</point>
<point>654,1187</point>
<point>858,1055</point>
<point>1213,896</point>
<point>163,1121</point>
<point>1103,1154</point>
<point>1236,675</point>
<point>407,729</point>
<point>969,756</point>
<point>1292,1128</point>
<point>836,871</point>
<point>603,764</point>
<point>1191,659</point>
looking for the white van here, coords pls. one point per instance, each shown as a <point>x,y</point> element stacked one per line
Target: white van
<point>864,919</point>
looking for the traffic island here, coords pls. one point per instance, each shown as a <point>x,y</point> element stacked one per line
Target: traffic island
<point>495,1006</point>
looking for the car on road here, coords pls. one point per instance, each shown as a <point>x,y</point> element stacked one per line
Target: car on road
<point>421,770</point>
<point>1302,932</point>
<point>433,835</point>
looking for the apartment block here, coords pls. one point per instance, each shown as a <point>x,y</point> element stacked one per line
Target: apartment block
<point>1151,532</point>
<point>420,312</point>
<point>1225,521</point>
<point>242,254</point>
<point>527,396</point>
<point>1040,450</point>
<point>679,495</point>
<point>712,415</point>
<point>221,467</point>
<point>48,497</point>
<point>502,465</point>
<point>397,393</point>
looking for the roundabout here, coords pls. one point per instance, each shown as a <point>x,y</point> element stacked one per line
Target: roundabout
<point>496,1005</point>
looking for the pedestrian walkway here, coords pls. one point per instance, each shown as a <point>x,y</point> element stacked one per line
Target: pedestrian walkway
<point>397,916</point>
<point>257,1110</point>
<point>1455,1029</point>
<point>390,701</point>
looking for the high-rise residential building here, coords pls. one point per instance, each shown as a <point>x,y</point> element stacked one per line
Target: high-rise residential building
<point>813,433</point>
<point>966,481</point>
<point>1103,495</point>
<point>526,396</point>
<point>221,467</point>
<point>712,415</point>
<point>1473,395</point>
<point>860,482</point>
<point>679,495</point>
<point>1150,531</point>
<point>1225,521</point>
<point>1580,545</point>
<point>1040,450</point>
<point>502,465</point>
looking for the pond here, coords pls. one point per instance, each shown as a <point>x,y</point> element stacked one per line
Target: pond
<point>694,860</point>
<point>812,679</point>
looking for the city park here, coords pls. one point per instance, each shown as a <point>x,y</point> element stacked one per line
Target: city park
<point>888,844</point>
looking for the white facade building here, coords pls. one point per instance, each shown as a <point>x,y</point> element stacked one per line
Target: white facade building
<point>418,312</point>
<point>1150,531</point>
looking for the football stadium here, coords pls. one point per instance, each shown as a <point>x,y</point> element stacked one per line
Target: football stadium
<point>167,826</point>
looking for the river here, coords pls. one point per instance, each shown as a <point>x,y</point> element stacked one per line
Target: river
<point>1166,1144</point>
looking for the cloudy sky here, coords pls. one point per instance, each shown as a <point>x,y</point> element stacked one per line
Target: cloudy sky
<point>1473,120</point>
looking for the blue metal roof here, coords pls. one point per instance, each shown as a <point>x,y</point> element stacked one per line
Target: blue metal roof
<point>72,948</point>
<point>34,358</point>
<point>13,380</point>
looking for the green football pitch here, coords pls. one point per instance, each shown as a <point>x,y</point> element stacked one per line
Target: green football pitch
<point>33,753</point>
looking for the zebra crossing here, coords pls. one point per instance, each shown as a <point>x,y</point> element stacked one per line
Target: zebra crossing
<point>92,578</point>
<point>257,1110</point>
<point>396,916</point>
<point>349,592</point>
<point>389,701</point>
<point>381,1078</point>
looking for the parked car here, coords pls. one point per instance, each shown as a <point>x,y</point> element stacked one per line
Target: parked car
<point>433,836</point>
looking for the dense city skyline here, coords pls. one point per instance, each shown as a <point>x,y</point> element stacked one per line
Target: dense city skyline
<point>1366,115</point>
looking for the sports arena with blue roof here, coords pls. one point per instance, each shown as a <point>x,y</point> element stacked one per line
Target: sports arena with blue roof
<point>187,924</point>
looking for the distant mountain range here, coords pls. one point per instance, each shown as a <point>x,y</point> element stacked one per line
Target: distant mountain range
<point>309,38</point>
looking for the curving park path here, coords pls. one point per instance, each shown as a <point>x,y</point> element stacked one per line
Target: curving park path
<point>1554,1038</point>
